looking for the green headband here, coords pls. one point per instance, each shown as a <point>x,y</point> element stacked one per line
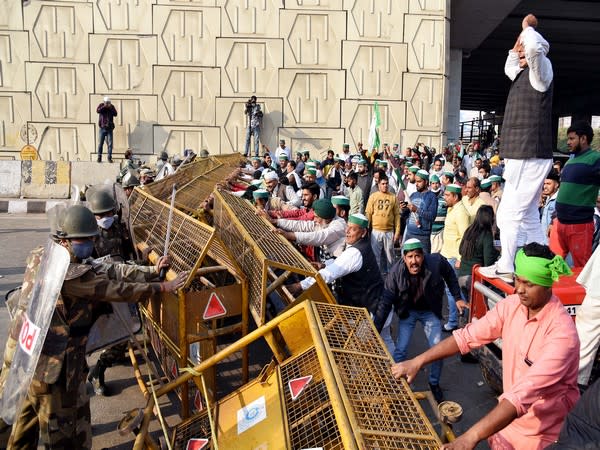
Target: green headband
<point>540,271</point>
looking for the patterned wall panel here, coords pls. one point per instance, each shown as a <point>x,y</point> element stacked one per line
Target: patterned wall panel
<point>317,140</point>
<point>311,97</point>
<point>123,63</point>
<point>233,122</point>
<point>314,4</point>
<point>424,96</point>
<point>252,18</point>
<point>189,2</point>
<point>249,66</point>
<point>433,7</point>
<point>186,95</point>
<point>60,91</point>
<point>411,137</point>
<point>123,16</point>
<point>374,70</point>
<point>426,37</point>
<point>179,72</point>
<point>313,39</point>
<point>174,139</point>
<point>186,35</point>
<point>14,51</point>
<point>370,20</point>
<point>356,118</point>
<point>65,142</point>
<point>58,31</point>
<point>12,15</point>
<point>137,114</point>
<point>15,110</point>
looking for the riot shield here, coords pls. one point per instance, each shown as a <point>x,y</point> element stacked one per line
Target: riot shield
<point>110,329</point>
<point>35,321</point>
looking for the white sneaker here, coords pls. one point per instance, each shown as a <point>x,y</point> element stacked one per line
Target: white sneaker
<point>492,272</point>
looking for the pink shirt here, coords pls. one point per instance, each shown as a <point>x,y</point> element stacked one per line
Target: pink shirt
<point>543,392</point>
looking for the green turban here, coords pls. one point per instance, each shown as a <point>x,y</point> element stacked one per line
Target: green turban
<point>540,271</point>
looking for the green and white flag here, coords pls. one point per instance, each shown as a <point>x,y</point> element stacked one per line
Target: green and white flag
<point>374,141</point>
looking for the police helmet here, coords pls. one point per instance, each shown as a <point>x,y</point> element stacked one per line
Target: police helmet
<point>130,180</point>
<point>101,201</point>
<point>78,222</point>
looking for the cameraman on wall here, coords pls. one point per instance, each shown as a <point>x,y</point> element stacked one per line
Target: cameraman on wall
<point>255,115</point>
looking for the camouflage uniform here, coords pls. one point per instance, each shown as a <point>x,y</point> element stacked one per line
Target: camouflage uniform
<point>57,403</point>
<point>109,242</point>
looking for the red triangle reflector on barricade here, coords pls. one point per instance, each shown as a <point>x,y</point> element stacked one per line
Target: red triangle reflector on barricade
<point>197,444</point>
<point>198,401</point>
<point>297,385</point>
<point>214,308</point>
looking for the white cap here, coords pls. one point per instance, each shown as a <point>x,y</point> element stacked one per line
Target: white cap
<point>107,99</point>
<point>270,175</point>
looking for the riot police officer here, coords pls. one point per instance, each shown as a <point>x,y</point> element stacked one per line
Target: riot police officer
<point>56,408</point>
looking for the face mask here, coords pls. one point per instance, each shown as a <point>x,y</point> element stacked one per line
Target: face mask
<point>106,222</point>
<point>83,250</point>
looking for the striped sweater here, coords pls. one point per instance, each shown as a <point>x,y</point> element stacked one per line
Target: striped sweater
<point>579,183</point>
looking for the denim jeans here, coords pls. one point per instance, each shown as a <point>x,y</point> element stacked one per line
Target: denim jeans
<point>386,332</point>
<point>108,135</point>
<point>249,132</point>
<point>452,309</point>
<point>433,330</point>
<point>383,241</point>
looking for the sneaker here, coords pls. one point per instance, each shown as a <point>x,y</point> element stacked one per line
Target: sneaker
<point>110,160</point>
<point>492,272</point>
<point>436,390</point>
<point>449,328</point>
<point>99,159</point>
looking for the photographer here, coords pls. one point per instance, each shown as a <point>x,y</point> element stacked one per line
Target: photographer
<point>254,113</point>
<point>106,113</point>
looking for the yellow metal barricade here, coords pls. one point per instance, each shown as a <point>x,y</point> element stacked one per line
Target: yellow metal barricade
<point>195,181</point>
<point>162,189</point>
<point>267,258</point>
<point>334,391</point>
<point>177,323</point>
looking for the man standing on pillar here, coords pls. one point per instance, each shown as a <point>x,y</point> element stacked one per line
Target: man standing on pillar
<point>526,144</point>
<point>106,113</point>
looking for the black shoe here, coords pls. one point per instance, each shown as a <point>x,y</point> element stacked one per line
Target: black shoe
<point>110,160</point>
<point>96,377</point>
<point>436,390</point>
<point>99,159</point>
<point>99,388</point>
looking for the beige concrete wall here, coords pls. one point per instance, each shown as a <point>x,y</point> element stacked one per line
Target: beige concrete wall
<point>179,73</point>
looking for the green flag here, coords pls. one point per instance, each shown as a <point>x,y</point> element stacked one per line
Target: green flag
<point>374,141</point>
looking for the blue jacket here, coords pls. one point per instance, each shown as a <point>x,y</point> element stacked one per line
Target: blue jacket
<point>427,205</point>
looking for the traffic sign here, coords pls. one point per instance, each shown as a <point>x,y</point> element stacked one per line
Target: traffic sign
<point>29,152</point>
<point>297,385</point>
<point>214,308</point>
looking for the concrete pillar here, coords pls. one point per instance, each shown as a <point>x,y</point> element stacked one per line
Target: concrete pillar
<point>453,111</point>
